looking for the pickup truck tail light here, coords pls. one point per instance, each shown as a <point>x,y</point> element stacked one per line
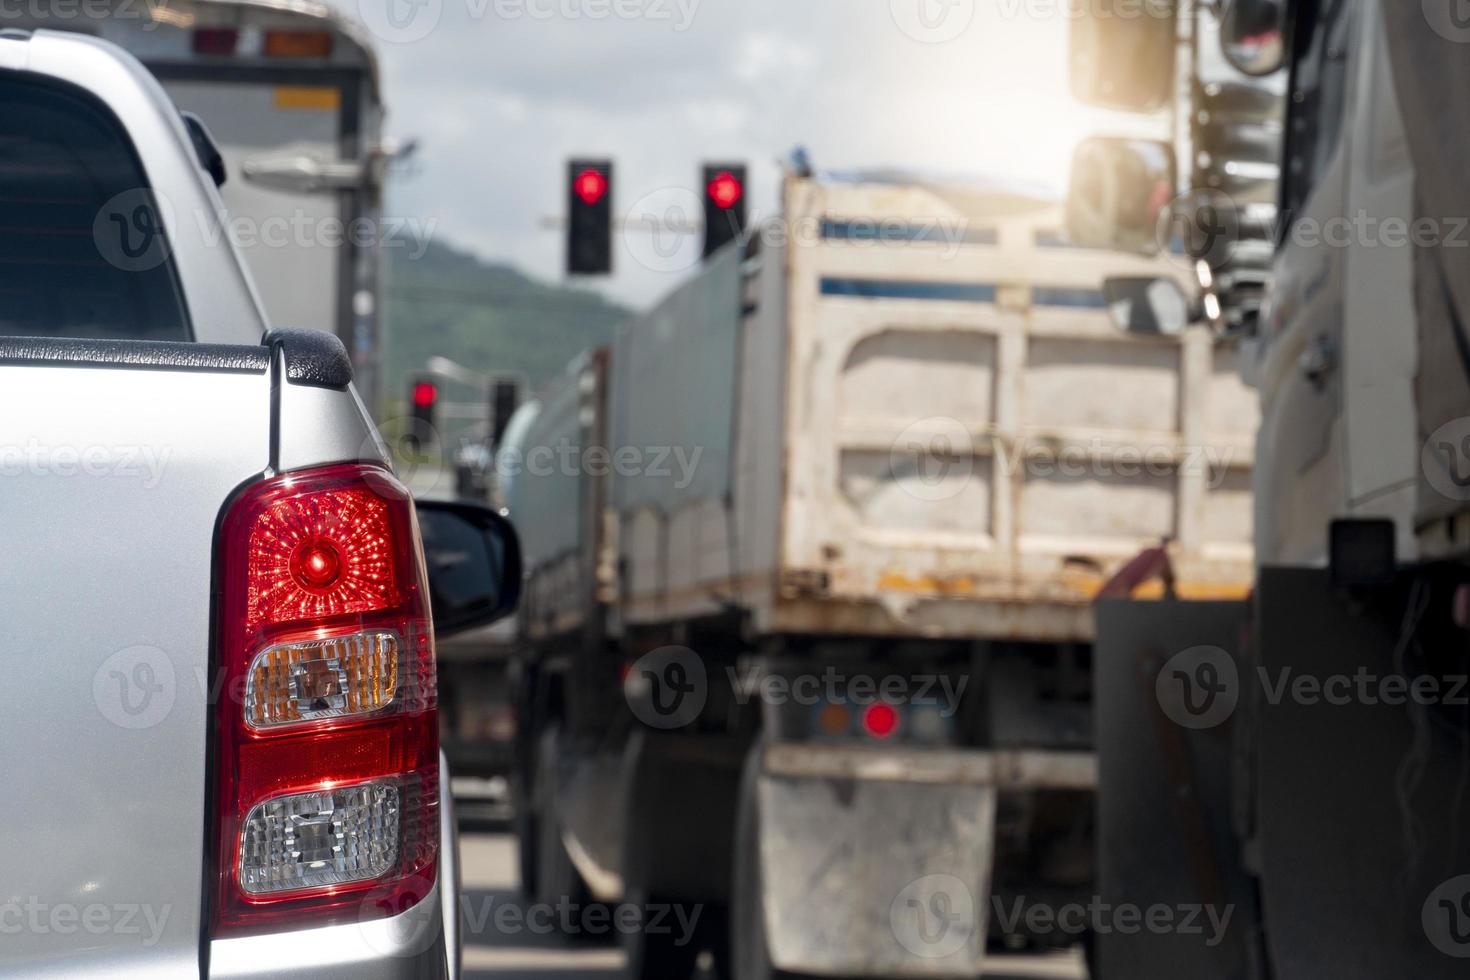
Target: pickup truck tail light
<point>327,763</point>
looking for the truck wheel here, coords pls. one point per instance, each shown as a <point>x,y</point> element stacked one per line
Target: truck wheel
<point>660,955</point>
<point>751,958</point>
<point>556,877</point>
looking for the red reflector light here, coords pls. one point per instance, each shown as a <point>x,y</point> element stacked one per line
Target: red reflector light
<point>327,765</point>
<point>725,190</point>
<point>880,720</point>
<point>425,394</point>
<point>590,186</point>
<point>216,40</point>
<point>316,565</point>
<point>297,44</point>
<point>318,555</point>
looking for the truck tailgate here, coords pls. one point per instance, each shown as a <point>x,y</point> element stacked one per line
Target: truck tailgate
<point>111,482</point>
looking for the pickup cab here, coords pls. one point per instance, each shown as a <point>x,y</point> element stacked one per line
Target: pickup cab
<point>221,752</point>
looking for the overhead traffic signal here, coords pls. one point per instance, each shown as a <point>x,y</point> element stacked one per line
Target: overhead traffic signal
<point>505,398</point>
<point>423,398</point>
<point>724,205</point>
<point>589,217</point>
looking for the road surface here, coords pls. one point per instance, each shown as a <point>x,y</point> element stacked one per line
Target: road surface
<point>502,943</point>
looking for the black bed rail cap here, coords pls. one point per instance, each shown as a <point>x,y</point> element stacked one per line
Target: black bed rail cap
<point>313,358</point>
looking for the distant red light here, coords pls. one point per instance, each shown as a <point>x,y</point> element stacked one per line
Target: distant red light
<point>726,190</point>
<point>425,394</point>
<point>590,186</point>
<point>880,720</point>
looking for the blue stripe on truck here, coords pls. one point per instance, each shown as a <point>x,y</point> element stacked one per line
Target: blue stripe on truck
<point>888,231</point>
<point>1071,297</point>
<point>964,292</point>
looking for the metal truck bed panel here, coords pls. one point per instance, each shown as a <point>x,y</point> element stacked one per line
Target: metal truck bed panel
<point>108,640</point>
<point>940,432</point>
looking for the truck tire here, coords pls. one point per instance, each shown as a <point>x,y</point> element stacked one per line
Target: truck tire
<point>659,956</point>
<point>751,958</point>
<point>556,877</point>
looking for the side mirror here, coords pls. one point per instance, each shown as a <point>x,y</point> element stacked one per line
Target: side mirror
<point>1155,307</point>
<point>1122,53</point>
<point>1253,35</point>
<point>1120,189</point>
<point>474,561</point>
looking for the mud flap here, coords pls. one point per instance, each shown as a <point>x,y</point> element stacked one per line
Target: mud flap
<point>1357,824</point>
<point>1165,720</point>
<point>875,877</point>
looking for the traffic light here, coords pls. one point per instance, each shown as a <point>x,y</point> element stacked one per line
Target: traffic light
<point>724,205</point>
<point>589,222</point>
<point>505,398</point>
<point>423,399</point>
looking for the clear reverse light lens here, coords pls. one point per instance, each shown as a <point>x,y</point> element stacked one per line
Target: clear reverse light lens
<point>311,840</point>
<point>322,679</point>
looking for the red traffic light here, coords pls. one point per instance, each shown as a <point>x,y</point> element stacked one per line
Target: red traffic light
<point>726,190</point>
<point>425,394</point>
<point>590,186</point>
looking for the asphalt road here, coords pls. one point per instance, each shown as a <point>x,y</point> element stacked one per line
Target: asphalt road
<point>501,943</point>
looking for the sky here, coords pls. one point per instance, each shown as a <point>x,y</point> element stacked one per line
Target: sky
<point>500,93</point>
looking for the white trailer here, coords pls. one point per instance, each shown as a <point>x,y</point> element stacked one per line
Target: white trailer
<point>898,440</point>
<point>289,91</point>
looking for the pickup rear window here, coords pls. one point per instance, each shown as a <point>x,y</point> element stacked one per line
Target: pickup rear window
<point>82,253</point>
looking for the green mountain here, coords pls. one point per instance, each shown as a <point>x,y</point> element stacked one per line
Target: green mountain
<point>489,317</point>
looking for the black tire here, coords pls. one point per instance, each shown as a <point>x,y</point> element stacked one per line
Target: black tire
<point>661,955</point>
<point>750,957</point>
<point>1091,955</point>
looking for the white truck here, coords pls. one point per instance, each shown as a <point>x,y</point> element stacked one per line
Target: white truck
<point>1301,757</point>
<point>289,93</point>
<point>223,757</point>
<point>810,554</point>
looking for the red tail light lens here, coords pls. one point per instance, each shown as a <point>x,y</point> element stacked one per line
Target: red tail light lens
<point>215,40</point>
<point>327,773</point>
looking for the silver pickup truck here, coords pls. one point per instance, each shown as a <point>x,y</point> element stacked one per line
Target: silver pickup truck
<point>220,750</point>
